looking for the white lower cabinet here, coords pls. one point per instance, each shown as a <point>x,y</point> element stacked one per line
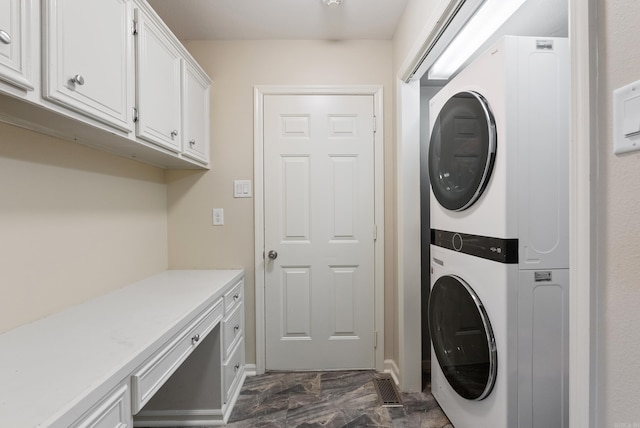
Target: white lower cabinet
<point>155,344</point>
<point>233,343</point>
<point>113,411</point>
<point>233,370</point>
<point>203,389</point>
<point>147,380</point>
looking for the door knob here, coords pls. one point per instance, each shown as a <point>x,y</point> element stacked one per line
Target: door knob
<point>272,254</point>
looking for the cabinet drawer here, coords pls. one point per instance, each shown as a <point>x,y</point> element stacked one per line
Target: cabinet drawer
<point>233,326</point>
<point>148,379</point>
<point>233,369</point>
<point>113,411</point>
<point>233,297</point>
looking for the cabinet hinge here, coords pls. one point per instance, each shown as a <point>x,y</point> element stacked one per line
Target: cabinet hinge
<point>135,115</point>
<point>375,123</point>
<point>375,232</point>
<point>375,340</point>
<point>134,29</point>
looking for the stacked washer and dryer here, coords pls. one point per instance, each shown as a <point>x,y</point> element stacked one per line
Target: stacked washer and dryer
<point>499,303</point>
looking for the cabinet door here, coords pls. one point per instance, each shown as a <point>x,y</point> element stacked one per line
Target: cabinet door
<point>158,78</point>
<point>89,59</point>
<point>196,113</point>
<point>16,21</point>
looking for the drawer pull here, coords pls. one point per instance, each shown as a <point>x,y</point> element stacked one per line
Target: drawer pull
<point>195,339</point>
<point>5,37</point>
<point>77,80</point>
<point>236,296</point>
<point>236,367</point>
<point>236,327</point>
<point>192,143</point>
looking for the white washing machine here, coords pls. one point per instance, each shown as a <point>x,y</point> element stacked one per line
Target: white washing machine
<point>498,154</point>
<point>499,336</point>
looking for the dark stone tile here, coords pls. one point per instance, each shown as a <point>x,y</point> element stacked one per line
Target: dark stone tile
<point>345,399</point>
<point>272,420</point>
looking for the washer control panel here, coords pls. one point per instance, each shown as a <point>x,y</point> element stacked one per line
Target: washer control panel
<point>496,249</point>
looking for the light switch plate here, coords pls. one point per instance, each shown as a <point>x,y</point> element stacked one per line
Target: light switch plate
<point>626,118</point>
<point>242,188</point>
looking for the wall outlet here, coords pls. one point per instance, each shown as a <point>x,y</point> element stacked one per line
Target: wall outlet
<point>218,217</point>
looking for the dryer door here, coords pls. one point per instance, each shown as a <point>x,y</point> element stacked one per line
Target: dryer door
<point>462,150</point>
<point>462,338</point>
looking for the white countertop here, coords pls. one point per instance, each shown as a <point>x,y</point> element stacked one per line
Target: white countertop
<point>49,366</point>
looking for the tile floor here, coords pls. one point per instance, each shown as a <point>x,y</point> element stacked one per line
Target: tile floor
<point>328,399</point>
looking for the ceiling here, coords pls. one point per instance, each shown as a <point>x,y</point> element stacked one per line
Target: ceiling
<point>280,19</point>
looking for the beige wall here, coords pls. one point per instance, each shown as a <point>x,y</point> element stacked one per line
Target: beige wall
<point>74,223</point>
<point>618,283</point>
<point>235,67</point>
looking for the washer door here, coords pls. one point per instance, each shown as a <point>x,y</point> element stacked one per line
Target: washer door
<point>462,338</point>
<point>462,150</point>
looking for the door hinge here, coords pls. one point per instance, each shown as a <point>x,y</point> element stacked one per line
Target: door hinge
<point>135,115</point>
<point>375,340</point>
<point>375,232</point>
<point>134,29</point>
<point>375,123</point>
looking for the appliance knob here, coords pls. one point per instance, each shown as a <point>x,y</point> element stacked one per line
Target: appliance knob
<point>456,242</point>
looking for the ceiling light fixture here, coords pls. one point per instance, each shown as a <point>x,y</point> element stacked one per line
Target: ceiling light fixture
<point>480,27</point>
<point>331,3</point>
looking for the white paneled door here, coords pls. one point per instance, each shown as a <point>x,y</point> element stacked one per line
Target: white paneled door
<point>319,231</point>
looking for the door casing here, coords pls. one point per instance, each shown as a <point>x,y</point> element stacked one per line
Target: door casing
<point>259,92</point>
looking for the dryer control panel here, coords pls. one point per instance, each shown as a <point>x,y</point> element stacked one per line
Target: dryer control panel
<point>496,249</point>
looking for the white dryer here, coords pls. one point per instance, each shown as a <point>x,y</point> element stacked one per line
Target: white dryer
<point>499,337</point>
<point>498,153</point>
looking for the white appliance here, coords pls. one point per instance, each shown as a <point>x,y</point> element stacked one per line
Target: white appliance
<point>498,310</point>
<point>498,154</point>
<point>500,339</point>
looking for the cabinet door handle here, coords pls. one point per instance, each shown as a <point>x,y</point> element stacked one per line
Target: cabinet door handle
<point>236,296</point>
<point>236,327</point>
<point>77,79</point>
<point>174,133</point>
<point>236,367</point>
<point>5,37</point>
<point>192,143</point>
<point>195,339</point>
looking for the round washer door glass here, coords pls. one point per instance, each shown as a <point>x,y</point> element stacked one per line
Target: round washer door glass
<point>462,338</point>
<point>462,150</point>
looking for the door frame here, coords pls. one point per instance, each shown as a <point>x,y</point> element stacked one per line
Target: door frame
<point>258,175</point>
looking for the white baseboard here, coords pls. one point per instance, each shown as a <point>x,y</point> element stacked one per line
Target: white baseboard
<point>173,418</point>
<point>250,370</point>
<point>391,367</point>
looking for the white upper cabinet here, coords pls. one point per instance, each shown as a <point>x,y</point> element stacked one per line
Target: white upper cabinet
<point>158,79</point>
<point>15,43</point>
<point>195,113</point>
<point>88,61</point>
